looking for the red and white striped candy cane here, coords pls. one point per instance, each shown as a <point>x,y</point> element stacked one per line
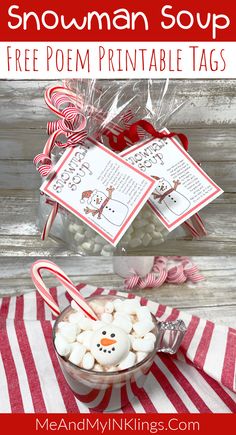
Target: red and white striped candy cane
<point>160,273</point>
<point>51,267</point>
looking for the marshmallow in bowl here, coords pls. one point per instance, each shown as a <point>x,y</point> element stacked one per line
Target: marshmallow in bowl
<point>123,335</point>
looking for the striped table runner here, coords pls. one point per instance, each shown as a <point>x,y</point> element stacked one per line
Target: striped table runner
<point>199,379</point>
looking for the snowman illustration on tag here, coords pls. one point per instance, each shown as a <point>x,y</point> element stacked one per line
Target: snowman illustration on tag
<point>166,195</point>
<point>102,204</point>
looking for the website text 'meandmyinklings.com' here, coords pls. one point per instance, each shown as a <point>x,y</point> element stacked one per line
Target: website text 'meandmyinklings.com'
<point>136,424</point>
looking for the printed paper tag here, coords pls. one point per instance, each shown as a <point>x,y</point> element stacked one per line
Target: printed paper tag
<point>100,188</point>
<point>182,188</point>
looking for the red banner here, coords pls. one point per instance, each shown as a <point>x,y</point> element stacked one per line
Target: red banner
<point>202,424</point>
<point>119,20</point>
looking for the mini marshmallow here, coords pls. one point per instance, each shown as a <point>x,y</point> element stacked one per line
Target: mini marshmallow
<point>98,368</point>
<point>118,304</point>
<point>123,323</point>
<point>143,327</point>
<point>96,248</point>
<point>75,318</point>
<point>79,237</point>
<point>134,243</point>
<point>150,336</point>
<point>143,313</point>
<point>121,315</point>
<point>77,354</point>
<point>130,306</point>
<point>98,324</point>
<point>69,331</point>
<point>62,346</point>
<point>111,369</point>
<point>109,307</point>
<point>143,345</point>
<point>147,239</point>
<point>88,246</point>
<point>85,338</point>
<point>106,317</point>
<point>86,323</point>
<point>140,356</point>
<point>88,361</point>
<point>127,362</point>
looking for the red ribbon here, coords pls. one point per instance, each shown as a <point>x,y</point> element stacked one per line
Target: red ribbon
<point>133,135</point>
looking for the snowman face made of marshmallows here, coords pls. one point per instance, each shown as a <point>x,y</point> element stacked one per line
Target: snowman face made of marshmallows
<point>109,345</point>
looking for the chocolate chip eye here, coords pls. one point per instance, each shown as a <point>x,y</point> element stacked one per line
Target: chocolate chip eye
<point>113,335</point>
<point>103,332</point>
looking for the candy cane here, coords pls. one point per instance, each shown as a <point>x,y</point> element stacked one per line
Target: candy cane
<point>49,221</point>
<point>160,273</point>
<point>51,267</point>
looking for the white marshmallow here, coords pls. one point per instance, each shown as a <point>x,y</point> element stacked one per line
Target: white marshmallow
<point>118,303</point>
<point>86,323</point>
<point>140,356</point>
<point>143,345</point>
<point>150,336</point>
<point>62,346</point>
<point>130,306</point>
<point>111,369</point>
<point>109,307</point>
<point>143,327</point>
<point>147,239</point>
<point>127,362</point>
<point>85,338</point>
<point>98,368</point>
<point>96,248</point>
<point>123,323</point>
<point>135,243</point>
<point>79,237</point>
<point>143,313</point>
<point>88,246</point>
<point>98,324</point>
<point>121,315</point>
<point>88,361</point>
<point>109,345</point>
<point>77,354</point>
<point>75,318</point>
<point>106,253</point>
<point>106,317</point>
<point>69,331</point>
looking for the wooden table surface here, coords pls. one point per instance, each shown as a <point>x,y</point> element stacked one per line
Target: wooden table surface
<point>209,120</point>
<point>214,298</point>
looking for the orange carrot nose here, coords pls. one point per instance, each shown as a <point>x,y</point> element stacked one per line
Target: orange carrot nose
<point>107,341</point>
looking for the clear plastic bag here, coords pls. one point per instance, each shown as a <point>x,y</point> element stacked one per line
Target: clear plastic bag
<point>110,107</point>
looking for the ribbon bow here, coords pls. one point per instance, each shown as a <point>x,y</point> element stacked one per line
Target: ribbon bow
<point>72,124</point>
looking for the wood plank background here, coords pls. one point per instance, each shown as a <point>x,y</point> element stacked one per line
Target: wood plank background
<point>209,120</point>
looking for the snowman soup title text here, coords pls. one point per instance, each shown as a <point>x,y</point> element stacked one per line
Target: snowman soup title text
<point>119,19</point>
<point>73,172</point>
<point>148,156</point>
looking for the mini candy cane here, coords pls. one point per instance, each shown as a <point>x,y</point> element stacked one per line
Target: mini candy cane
<point>51,267</point>
<point>160,274</point>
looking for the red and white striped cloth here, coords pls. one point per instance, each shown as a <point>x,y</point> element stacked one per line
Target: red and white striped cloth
<point>199,379</point>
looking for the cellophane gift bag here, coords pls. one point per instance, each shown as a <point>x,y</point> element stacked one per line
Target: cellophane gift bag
<point>106,110</point>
